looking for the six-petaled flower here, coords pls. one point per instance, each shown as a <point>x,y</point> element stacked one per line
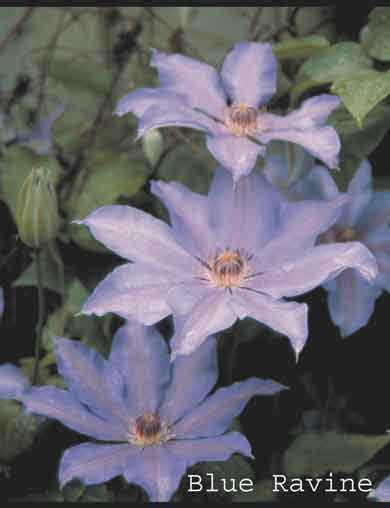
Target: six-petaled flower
<point>228,107</point>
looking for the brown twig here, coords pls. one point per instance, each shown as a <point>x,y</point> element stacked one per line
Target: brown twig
<point>254,22</point>
<point>17,27</point>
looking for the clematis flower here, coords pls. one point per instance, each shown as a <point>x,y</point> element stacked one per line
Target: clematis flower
<point>231,254</point>
<point>381,492</point>
<point>154,418</point>
<point>228,107</point>
<point>365,218</point>
<point>39,138</point>
<point>13,384</point>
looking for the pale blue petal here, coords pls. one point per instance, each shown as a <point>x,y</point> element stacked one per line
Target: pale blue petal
<point>275,170</point>
<point>208,316</point>
<point>313,112</point>
<point>12,383</point>
<point>321,142</point>
<point>40,138</point>
<point>318,184</point>
<point>95,463</point>
<point>180,116</point>
<point>378,241</point>
<point>315,267</point>
<point>63,406</point>
<point>198,373</point>
<point>238,213</point>
<point>197,82</point>
<point>138,236</point>
<point>94,381</point>
<point>383,278</point>
<point>377,213</point>
<point>236,153</point>
<point>157,471</point>
<point>381,492</point>
<point>139,101</point>
<point>183,297</point>
<point>189,214</point>
<point>141,355</point>
<point>351,301</point>
<point>249,73</point>
<point>133,291</point>
<point>287,318</point>
<point>305,126</point>
<point>360,191</point>
<point>216,413</point>
<point>44,126</point>
<point>209,449</point>
<point>301,224</point>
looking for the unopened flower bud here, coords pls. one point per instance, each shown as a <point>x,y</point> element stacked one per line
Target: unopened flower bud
<point>37,209</point>
<point>153,146</point>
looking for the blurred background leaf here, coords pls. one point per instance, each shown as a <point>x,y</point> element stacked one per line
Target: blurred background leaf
<point>317,453</point>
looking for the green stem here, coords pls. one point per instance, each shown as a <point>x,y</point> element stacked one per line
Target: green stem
<point>41,314</point>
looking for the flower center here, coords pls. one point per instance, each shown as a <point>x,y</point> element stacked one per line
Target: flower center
<point>345,235</point>
<point>337,234</point>
<point>241,120</point>
<point>147,430</point>
<point>227,268</point>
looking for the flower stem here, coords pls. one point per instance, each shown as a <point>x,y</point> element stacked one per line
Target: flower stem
<point>41,314</point>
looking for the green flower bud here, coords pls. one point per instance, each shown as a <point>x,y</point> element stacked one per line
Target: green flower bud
<point>153,146</point>
<point>37,216</point>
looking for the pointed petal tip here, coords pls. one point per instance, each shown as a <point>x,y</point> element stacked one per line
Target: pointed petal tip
<point>80,222</point>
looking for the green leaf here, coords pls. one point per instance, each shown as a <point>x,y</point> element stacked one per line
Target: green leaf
<point>27,365</point>
<point>80,75</point>
<point>73,492</point>
<point>299,47</point>
<point>329,64</point>
<point>236,467</point>
<point>188,167</point>
<point>109,178</point>
<point>362,91</point>
<point>17,430</point>
<point>96,494</point>
<point>316,453</point>
<point>262,491</point>
<point>375,36</point>
<point>17,165</point>
<point>358,143</point>
<point>51,276</point>
<point>65,321</point>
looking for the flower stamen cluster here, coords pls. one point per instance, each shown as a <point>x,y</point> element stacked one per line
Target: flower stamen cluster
<point>227,268</point>
<point>148,430</point>
<point>241,120</point>
<point>338,234</point>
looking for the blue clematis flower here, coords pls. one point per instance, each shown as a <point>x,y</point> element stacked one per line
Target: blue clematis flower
<point>365,218</point>
<point>39,138</point>
<point>234,253</point>
<point>155,418</point>
<point>226,107</point>
<point>13,384</point>
<point>381,492</point>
